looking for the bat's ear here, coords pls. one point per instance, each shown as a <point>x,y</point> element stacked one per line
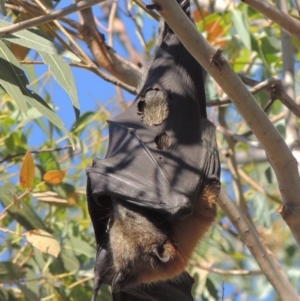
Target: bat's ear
<point>122,280</point>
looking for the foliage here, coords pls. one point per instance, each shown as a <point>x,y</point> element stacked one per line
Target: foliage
<point>47,244</point>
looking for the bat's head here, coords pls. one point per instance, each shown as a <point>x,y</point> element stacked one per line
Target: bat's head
<point>142,247</point>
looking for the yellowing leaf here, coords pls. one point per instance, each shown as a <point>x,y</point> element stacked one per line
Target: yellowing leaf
<point>27,171</point>
<point>73,199</point>
<point>43,241</point>
<point>54,176</point>
<point>214,29</point>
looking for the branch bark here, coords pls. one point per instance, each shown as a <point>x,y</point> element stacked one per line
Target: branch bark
<point>54,15</point>
<point>104,55</point>
<point>267,263</point>
<point>279,155</point>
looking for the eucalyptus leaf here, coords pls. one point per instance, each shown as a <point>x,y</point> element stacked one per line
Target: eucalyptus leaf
<point>10,271</point>
<point>241,27</point>
<point>26,216</point>
<point>8,77</point>
<point>28,293</point>
<point>62,73</point>
<point>2,8</point>
<point>34,39</point>
<point>17,73</point>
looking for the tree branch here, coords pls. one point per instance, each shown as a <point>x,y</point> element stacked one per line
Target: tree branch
<point>82,4</point>
<point>251,239</point>
<point>104,55</point>
<point>279,155</point>
<point>290,24</point>
<point>36,152</point>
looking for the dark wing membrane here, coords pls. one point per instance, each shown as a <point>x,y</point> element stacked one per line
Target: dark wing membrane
<point>162,152</point>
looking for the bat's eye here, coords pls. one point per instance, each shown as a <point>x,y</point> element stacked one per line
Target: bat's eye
<point>162,254</point>
<point>150,94</point>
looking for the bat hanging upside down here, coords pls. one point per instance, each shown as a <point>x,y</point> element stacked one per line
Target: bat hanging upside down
<point>153,197</point>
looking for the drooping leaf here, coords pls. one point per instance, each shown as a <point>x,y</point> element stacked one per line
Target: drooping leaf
<point>7,295</point>
<point>54,177</point>
<point>67,257</point>
<point>81,247</point>
<point>268,173</point>
<point>43,241</point>
<point>10,271</point>
<point>27,216</point>
<point>28,293</point>
<point>241,27</point>
<point>2,7</point>
<point>62,73</point>
<point>212,288</point>
<point>27,171</point>
<point>33,39</point>
<point>32,98</point>
<point>7,78</point>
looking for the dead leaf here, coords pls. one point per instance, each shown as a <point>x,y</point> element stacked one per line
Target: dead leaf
<point>214,29</point>
<point>43,241</point>
<point>54,177</point>
<point>27,171</point>
<point>50,197</point>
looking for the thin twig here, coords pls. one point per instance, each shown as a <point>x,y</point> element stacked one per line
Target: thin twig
<point>9,157</point>
<point>7,207</point>
<point>149,11</point>
<point>65,32</point>
<point>251,239</point>
<point>9,231</point>
<point>111,19</point>
<point>290,24</point>
<point>80,281</point>
<point>229,272</point>
<point>107,77</point>
<point>232,165</point>
<point>54,15</point>
<point>280,157</point>
<point>257,186</point>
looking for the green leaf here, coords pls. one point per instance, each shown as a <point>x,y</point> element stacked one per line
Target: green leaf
<point>268,173</point>
<point>10,271</point>
<point>28,294</point>
<point>2,7</point>
<point>270,44</point>
<point>81,247</point>
<point>7,296</point>
<point>26,216</point>
<point>82,122</point>
<point>62,73</point>
<point>67,255</point>
<point>8,77</point>
<point>241,27</point>
<point>32,98</point>
<point>212,289</point>
<point>33,39</point>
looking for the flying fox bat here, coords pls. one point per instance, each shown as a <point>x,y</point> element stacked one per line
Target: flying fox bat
<point>153,196</point>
